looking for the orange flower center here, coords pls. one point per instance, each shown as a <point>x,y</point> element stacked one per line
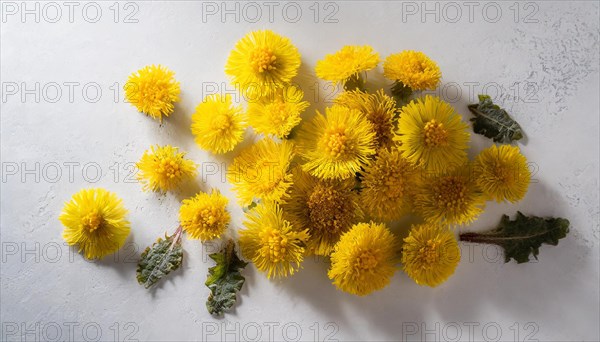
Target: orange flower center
<point>222,122</point>
<point>275,245</point>
<point>366,261</point>
<point>262,59</point>
<point>168,168</point>
<point>435,134</point>
<point>335,142</point>
<point>92,220</point>
<point>451,192</point>
<point>430,253</point>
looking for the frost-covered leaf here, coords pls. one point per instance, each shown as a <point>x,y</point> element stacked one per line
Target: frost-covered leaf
<point>158,260</point>
<point>494,122</point>
<point>523,236</point>
<point>224,279</point>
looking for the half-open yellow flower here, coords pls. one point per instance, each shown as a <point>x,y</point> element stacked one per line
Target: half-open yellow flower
<point>502,173</point>
<point>270,242</point>
<point>388,185</point>
<point>346,63</point>
<point>164,168</point>
<point>153,90</point>
<point>277,115</point>
<point>378,108</point>
<point>262,171</point>
<point>365,258</point>
<point>430,254</point>
<point>204,216</point>
<point>413,68</point>
<point>217,125</point>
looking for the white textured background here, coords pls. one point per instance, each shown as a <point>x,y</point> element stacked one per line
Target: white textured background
<point>538,59</point>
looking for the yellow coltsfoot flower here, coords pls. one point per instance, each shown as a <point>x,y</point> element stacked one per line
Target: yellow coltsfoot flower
<point>430,254</point>
<point>277,115</point>
<point>327,208</point>
<point>388,185</point>
<point>262,171</point>
<point>261,62</point>
<point>347,63</point>
<point>94,220</point>
<point>164,168</point>
<point>450,198</point>
<point>378,108</point>
<point>432,135</point>
<point>205,216</point>
<point>502,173</point>
<point>365,258</point>
<point>337,145</point>
<point>217,125</point>
<point>153,90</point>
<point>413,68</point>
<point>270,242</point>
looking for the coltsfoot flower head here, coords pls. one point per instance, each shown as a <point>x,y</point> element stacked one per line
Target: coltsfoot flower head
<point>164,168</point>
<point>95,220</point>
<point>378,108</point>
<point>449,198</point>
<point>204,216</point>
<point>388,186</point>
<point>346,63</point>
<point>153,90</point>
<point>502,173</point>
<point>430,254</point>
<point>277,115</point>
<point>337,145</point>
<point>262,61</point>
<point>365,258</point>
<point>262,171</point>
<point>270,242</point>
<point>327,208</point>
<point>412,68</point>
<point>432,135</point>
<point>217,125</point>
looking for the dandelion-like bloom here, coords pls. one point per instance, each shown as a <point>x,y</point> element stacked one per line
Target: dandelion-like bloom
<point>327,208</point>
<point>502,173</point>
<point>378,108</point>
<point>388,185</point>
<point>153,90</point>
<point>269,241</point>
<point>205,216</point>
<point>164,168</point>
<point>432,135</point>
<point>95,220</point>
<point>217,125</point>
<point>365,258</point>
<point>277,115</point>
<point>413,68</point>
<point>449,198</point>
<point>430,254</point>
<point>262,171</point>
<point>346,63</point>
<point>337,145</point>
<point>262,61</point>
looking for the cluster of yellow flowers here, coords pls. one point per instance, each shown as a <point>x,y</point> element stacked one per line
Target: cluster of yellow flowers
<point>329,187</point>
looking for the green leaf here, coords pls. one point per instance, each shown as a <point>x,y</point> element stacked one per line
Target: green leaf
<point>523,236</point>
<point>401,93</point>
<point>494,122</point>
<point>224,280</point>
<point>158,260</point>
